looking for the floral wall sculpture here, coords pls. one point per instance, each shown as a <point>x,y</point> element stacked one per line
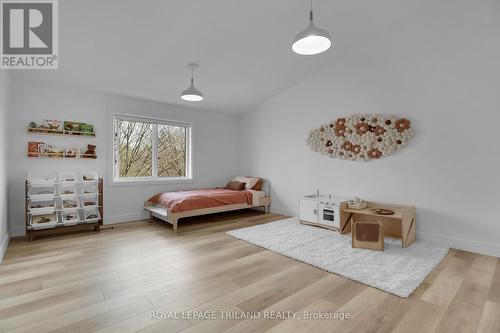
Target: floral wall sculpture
<point>361,136</point>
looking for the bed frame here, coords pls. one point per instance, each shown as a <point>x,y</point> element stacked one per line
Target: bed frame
<point>166,215</point>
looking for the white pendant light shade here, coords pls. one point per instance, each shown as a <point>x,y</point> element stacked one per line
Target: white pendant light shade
<point>312,40</point>
<point>192,94</point>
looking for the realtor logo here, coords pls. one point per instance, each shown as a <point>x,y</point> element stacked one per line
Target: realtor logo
<point>29,37</point>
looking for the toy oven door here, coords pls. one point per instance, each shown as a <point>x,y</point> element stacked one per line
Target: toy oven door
<point>328,215</point>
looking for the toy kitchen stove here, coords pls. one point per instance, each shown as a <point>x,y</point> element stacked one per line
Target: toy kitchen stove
<point>320,211</point>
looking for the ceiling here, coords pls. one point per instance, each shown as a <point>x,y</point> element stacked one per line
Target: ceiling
<point>141,48</point>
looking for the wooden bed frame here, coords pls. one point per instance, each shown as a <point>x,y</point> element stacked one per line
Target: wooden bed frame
<point>166,215</point>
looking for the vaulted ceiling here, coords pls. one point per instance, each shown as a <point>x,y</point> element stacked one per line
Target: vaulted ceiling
<point>141,48</point>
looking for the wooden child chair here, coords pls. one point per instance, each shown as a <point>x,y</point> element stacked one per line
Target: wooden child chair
<point>367,235</point>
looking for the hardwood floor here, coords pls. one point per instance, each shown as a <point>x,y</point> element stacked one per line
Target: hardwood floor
<point>111,282</point>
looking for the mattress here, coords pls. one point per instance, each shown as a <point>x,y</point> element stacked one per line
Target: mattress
<point>256,195</point>
<point>181,201</point>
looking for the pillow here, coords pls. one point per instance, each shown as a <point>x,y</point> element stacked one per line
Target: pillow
<point>258,185</point>
<point>249,181</point>
<point>235,186</point>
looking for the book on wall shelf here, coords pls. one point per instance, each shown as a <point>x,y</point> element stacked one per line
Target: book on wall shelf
<point>39,149</point>
<point>59,127</point>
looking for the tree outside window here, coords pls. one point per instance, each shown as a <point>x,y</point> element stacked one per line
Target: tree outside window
<point>145,149</point>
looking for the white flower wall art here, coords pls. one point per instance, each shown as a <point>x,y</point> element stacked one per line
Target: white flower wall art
<point>361,136</point>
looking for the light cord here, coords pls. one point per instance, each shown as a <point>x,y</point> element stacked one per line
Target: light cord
<point>311,11</point>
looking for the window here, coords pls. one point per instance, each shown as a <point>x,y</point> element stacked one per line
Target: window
<point>150,149</point>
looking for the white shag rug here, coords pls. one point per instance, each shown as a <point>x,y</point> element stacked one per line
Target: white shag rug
<point>396,270</point>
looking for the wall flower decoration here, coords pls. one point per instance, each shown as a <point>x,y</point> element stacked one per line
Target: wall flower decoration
<point>402,124</point>
<point>361,136</point>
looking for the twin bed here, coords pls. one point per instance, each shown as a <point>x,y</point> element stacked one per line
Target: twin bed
<point>239,193</point>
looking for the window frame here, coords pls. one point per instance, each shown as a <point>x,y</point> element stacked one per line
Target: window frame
<point>154,178</point>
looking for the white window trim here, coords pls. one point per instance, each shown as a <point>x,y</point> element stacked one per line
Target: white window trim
<point>152,180</point>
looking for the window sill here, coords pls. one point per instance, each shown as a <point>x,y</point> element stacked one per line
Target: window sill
<point>143,182</point>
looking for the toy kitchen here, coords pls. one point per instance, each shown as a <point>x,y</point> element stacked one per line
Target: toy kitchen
<point>321,210</point>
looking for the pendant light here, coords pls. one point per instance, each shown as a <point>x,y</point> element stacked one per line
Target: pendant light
<point>312,40</point>
<point>192,94</point>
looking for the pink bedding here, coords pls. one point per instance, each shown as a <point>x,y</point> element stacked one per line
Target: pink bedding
<point>198,199</point>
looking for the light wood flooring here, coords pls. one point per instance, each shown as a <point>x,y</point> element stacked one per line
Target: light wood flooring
<point>112,280</point>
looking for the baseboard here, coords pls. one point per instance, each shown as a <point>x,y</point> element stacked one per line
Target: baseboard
<point>17,232</point>
<point>4,242</point>
<point>114,219</point>
<point>456,243</point>
<point>282,211</point>
<point>469,245</point>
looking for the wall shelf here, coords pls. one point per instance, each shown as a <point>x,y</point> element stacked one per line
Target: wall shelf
<point>47,131</point>
<point>62,156</point>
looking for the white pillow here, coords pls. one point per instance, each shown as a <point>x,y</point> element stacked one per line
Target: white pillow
<point>249,181</point>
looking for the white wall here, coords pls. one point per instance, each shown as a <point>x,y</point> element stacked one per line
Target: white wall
<point>4,230</point>
<point>440,67</point>
<point>214,144</point>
